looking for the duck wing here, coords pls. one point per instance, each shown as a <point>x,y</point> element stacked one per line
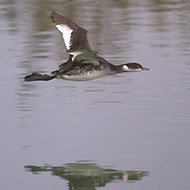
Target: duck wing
<point>75,37</point>
<point>84,57</point>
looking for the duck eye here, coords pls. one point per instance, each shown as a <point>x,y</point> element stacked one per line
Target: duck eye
<point>139,67</point>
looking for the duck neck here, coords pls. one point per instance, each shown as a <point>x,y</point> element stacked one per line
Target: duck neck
<point>119,68</point>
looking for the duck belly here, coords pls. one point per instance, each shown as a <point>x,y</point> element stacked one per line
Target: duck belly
<point>89,75</point>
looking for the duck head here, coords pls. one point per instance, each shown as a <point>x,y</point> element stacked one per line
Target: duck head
<point>131,67</point>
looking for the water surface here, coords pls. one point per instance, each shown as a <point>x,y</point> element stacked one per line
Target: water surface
<point>135,122</point>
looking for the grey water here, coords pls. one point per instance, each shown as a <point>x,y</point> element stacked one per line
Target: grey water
<point>127,131</point>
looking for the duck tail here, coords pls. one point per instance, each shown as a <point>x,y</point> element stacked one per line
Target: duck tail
<point>38,76</point>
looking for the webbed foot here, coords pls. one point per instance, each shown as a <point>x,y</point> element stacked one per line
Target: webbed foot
<point>37,76</point>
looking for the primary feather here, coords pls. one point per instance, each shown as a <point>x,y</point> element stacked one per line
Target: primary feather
<point>75,37</point>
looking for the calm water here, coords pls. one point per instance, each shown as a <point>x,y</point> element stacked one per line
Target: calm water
<point>128,131</point>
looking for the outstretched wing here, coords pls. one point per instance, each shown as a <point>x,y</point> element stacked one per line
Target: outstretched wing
<point>85,57</point>
<point>75,37</point>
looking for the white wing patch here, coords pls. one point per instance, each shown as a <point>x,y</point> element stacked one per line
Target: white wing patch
<point>66,31</point>
<point>75,53</point>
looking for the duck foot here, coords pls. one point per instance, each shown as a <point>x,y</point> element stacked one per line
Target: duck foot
<point>38,76</point>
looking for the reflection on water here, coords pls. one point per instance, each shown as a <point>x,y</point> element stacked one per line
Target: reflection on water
<point>87,175</point>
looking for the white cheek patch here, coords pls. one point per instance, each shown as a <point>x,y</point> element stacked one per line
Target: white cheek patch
<point>66,31</point>
<point>125,68</point>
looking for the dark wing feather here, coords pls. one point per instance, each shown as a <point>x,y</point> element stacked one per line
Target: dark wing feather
<point>75,37</point>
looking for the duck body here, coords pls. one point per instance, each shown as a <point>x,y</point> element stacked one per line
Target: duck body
<point>85,66</point>
<point>83,63</point>
<point>84,73</point>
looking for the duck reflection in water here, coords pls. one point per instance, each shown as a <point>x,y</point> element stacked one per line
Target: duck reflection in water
<point>87,175</point>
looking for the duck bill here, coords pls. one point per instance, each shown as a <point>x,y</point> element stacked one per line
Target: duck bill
<point>145,69</point>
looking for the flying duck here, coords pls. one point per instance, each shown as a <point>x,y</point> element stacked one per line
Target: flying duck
<point>83,63</point>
